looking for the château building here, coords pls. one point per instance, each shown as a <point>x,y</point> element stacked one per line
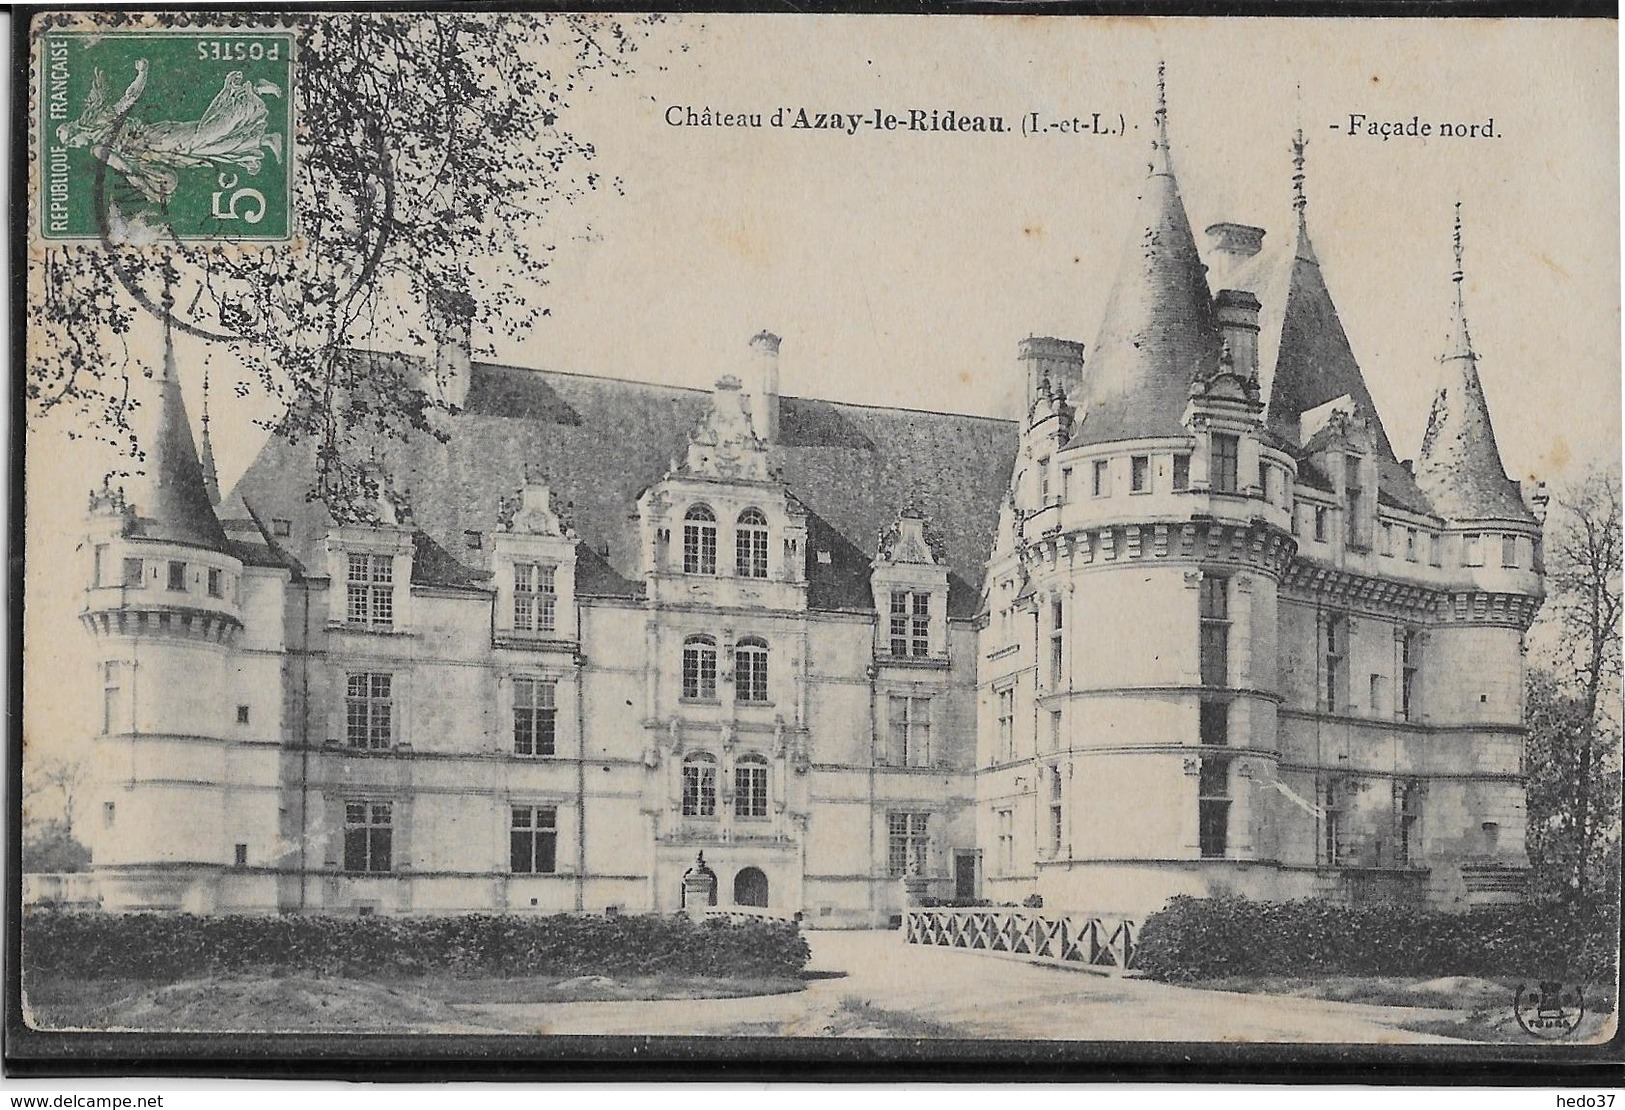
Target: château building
<point>1187,625</point>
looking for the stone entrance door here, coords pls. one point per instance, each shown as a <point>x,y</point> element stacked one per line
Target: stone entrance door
<point>750,887</point>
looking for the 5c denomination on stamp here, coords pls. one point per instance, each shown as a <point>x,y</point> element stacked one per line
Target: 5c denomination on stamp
<point>159,134</point>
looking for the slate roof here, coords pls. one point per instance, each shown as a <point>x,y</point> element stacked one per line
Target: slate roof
<point>172,498</point>
<point>1460,463</point>
<point>1305,359</point>
<point>601,441</point>
<point>1158,330</point>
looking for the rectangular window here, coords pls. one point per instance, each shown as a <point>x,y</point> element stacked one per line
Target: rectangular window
<point>369,710</point>
<point>1043,481</point>
<point>99,567</point>
<point>368,829</point>
<point>1182,472</point>
<point>370,591</point>
<point>1215,724</point>
<point>1215,630</point>
<point>215,577</point>
<point>1332,845</point>
<point>240,857</point>
<point>1509,551</point>
<point>1321,529</point>
<point>177,576</point>
<point>1387,537</point>
<point>112,697</point>
<point>1472,552</point>
<point>1057,644</point>
<point>1335,642</point>
<point>535,716</point>
<point>1102,478</point>
<point>1066,483</point>
<point>750,672</point>
<point>910,624</point>
<point>907,843</point>
<point>1410,544</point>
<point>700,670</point>
<point>1354,494</point>
<point>1007,727</point>
<point>909,721</point>
<point>1226,462</point>
<point>700,787</point>
<point>1055,730</point>
<point>1408,850</point>
<point>1410,669</point>
<point>242,714</point>
<point>535,597</point>
<point>1139,474</point>
<point>1006,820</point>
<point>1213,806</point>
<point>1056,816</point>
<point>1435,547</point>
<point>750,789</point>
<point>1377,694</point>
<point>533,840</point>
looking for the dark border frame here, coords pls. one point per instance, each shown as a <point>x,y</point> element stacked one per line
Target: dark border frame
<point>29,1053</point>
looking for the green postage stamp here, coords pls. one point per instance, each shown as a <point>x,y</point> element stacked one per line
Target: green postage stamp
<point>152,134</point>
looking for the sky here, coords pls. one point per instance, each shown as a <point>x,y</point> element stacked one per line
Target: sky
<point>902,268</point>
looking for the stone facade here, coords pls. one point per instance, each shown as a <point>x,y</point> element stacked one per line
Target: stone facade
<point>1187,625</point>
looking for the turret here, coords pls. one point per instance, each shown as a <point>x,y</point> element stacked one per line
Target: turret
<point>1158,332</point>
<point>1460,467</point>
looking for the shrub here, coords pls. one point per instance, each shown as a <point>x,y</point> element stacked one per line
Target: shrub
<point>171,946</point>
<point>1211,938</point>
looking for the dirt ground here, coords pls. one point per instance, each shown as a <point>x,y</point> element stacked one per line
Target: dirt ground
<point>860,984</point>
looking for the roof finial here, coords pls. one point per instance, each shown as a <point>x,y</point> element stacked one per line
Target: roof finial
<point>1457,276</point>
<point>1299,201</point>
<point>1461,342</point>
<point>167,301</point>
<point>1160,162</point>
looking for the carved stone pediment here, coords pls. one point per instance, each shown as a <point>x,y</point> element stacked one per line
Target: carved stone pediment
<point>909,541</point>
<point>725,445</point>
<point>533,513</point>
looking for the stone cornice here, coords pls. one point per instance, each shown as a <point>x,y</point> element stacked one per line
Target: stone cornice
<point>1254,544</point>
<point>1410,600</point>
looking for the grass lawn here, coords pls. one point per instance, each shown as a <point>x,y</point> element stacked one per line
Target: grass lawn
<point>1459,1006</point>
<point>303,1003</point>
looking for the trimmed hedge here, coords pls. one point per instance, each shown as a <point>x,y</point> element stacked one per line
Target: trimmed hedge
<point>171,946</point>
<point>1210,938</point>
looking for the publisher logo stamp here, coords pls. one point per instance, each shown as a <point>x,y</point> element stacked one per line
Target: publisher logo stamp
<point>1549,1010</point>
<point>147,136</point>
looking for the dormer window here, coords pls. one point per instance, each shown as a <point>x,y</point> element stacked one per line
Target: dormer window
<point>750,545</point>
<point>370,590</point>
<point>535,597</point>
<point>699,541</point>
<point>910,624</point>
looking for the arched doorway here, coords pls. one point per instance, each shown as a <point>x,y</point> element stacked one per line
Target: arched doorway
<point>750,887</point>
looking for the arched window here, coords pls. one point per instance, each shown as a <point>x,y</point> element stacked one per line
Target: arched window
<point>750,786</point>
<point>700,541</point>
<point>700,668</point>
<point>700,785</point>
<point>750,544</point>
<point>750,670</point>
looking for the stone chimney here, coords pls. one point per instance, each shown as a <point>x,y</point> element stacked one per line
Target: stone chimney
<point>1059,360</point>
<point>1237,313</point>
<point>763,383</point>
<point>451,312</point>
<point>1229,245</point>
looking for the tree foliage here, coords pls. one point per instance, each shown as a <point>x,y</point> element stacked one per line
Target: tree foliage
<point>1573,703</point>
<point>432,147</point>
<point>49,847</point>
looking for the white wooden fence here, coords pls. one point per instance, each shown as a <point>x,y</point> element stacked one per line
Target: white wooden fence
<point>1107,943</point>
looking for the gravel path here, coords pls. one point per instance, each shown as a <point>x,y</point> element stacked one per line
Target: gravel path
<point>873,984</point>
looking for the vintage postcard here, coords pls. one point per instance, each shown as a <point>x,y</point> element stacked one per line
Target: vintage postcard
<point>989,534</point>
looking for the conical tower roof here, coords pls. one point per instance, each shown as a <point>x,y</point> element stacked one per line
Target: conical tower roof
<point>1460,467</point>
<point>1159,331</point>
<point>172,500</point>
